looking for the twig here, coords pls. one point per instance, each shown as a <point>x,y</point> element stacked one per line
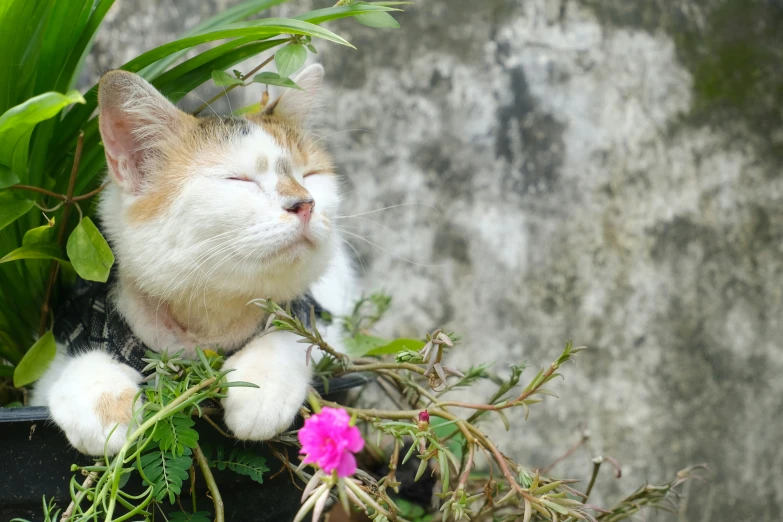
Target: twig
<point>218,428</point>
<point>87,484</point>
<point>39,190</point>
<point>230,87</point>
<point>91,193</point>
<point>583,438</point>
<point>391,476</point>
<point>192,472</point>
<point>463,479</point>
<point>211,484</point>
<point>55,266</point>
<point>596,466</point>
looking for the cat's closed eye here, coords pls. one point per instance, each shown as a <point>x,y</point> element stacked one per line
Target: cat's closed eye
<point>313,173</point>
<point>240,178</point>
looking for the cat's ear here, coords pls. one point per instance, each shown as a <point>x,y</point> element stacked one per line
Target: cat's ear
<point>299,105</point>
<point>136,123</point>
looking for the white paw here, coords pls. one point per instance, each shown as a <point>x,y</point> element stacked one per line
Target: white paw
<point>276,363</point>
<point>93,399</point>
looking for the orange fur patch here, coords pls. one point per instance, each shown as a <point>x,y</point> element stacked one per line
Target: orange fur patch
<point>115,409</point>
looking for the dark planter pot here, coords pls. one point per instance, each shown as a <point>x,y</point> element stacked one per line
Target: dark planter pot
<point>35,460</point>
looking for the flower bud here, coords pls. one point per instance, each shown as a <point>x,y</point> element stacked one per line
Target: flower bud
<point>424,420</point>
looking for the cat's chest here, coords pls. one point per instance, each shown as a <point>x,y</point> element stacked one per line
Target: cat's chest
<point>101,317</point>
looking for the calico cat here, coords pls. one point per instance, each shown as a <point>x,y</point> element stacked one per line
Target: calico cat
<point>203,215</point>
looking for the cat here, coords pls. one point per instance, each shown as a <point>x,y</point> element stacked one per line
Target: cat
<point>203,215</point>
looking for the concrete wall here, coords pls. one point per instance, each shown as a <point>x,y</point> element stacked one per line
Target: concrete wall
<point>606,171</point>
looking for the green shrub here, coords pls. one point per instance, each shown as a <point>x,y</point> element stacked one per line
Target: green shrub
<point>51,156</point>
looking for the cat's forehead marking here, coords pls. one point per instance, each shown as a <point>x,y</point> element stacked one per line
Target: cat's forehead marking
<point>262,164</point>
<point>283,166</point>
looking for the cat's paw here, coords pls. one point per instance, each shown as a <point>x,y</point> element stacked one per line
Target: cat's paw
<point>92,401</point>
<point>276,363</point>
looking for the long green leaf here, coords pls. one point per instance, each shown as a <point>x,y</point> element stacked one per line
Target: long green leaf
<point>7,177</point>
<point>327,14</point>
<point>22,29</point>
<point>45,250</point>
<point>233,14</point>
<point>18,122</point>
<point>12,207</point>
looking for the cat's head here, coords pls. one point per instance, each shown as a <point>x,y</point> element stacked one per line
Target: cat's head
<point>223,204</point>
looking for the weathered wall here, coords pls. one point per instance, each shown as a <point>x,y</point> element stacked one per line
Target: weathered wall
<point>607,171</point>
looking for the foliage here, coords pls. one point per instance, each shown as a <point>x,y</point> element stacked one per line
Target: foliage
<point>445,443</point>
<point>51,156</point>
<point>163,449</point>
<point>240,460</point>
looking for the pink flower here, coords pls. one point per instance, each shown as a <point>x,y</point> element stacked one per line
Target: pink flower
<point>330,441</point>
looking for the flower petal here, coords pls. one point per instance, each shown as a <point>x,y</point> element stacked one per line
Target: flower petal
<point>347,466</point>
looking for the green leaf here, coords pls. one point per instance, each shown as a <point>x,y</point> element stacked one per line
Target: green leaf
<point>7,177</point>
<point>88,251</point>
<point>378,20</point>
<point>38,234</point>
<point>176,433</point>
<point>361,344</point>
<point>254,107</point>
<point>223,18</point>
<point>270,78</point>
<point>35,361</point>
<point>327,14</point>
<point>396,346</point>
<point>242,461</point>
<point>18,122</point>
<point>165,473</point>
<point>12,207</point>
<point>223,79</point>
<point>45,250</point>
<point>290,58</point>
<point>267,27</point>
<point>312,48</point>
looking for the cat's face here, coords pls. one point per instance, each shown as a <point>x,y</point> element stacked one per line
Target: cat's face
<point>205,205</point>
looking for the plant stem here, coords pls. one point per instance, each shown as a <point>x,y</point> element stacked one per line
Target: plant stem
<point>211,484</point>
<point>39,190</point>
<point>463,479</point>
<point>582,439</point>
<point>55,266</point>
<point>510,404</point>
<point>91,193</point>
<point>596,466</point>
<point>382,366</point>
<point>87,484</point>
<point>170,408</point>
<point>231,87</point>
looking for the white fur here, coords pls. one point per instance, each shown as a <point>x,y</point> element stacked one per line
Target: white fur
<point>220,244</point>
<point>276,363</point>
<point>71,389</point>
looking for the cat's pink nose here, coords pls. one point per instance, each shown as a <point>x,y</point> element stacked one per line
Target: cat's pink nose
<point>303,209</point>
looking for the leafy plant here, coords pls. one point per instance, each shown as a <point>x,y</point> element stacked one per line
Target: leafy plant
<point>240,460</point>
<point>164,449</point>
<point>51,156</point>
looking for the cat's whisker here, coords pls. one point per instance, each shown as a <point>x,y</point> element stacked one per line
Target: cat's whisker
<point>389,208</point>
<point>195,264</point>
<point>228,100</point>
<point>341,132</point>
<point>358,255</point>
<point>204,101</point>
<point>400,258</point>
